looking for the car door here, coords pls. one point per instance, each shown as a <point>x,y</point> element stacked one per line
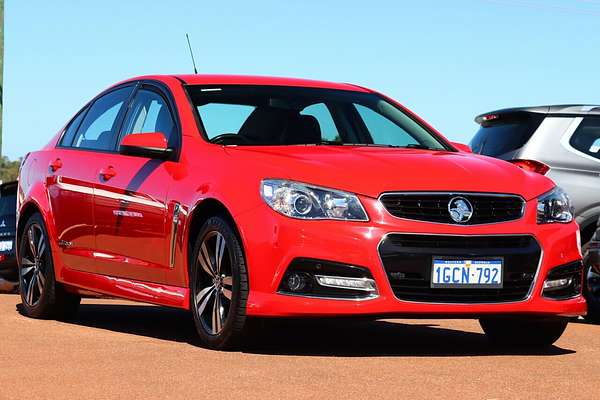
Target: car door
<point>72,172</point>
<point>132,231</point>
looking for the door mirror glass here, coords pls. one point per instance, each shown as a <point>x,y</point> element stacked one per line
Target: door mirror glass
<point>150,145</point>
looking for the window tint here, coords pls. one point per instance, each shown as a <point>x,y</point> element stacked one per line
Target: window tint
<point>71,130</point>
<point>284,116</point>
<point>99,127</point>
<point>587,137</point>
<point>382,129</point>
<point>149,113</point>
<point>219,118</point>
<point>507,133</point>
<point>321,113</point>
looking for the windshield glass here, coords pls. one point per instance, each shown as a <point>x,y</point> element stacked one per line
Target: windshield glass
<point>281,115</point>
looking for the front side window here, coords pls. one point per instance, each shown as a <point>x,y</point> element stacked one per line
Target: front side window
<point>99,127</point>
<point>282,115</point>
<point>587,137</point>
<point>149,112</point>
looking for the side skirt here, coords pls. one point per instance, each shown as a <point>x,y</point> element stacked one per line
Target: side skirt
<point>146,292</point>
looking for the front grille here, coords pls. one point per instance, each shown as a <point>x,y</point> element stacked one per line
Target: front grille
<point>407,260</point>
<point>433,207</point>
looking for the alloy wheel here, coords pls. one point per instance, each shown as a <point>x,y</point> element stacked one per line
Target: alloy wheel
<point>33,265</point>
<point>214,284</point>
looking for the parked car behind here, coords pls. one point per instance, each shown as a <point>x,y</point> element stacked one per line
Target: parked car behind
<point>565,138</point>
<point>8,259</point>
<point>592,287</point>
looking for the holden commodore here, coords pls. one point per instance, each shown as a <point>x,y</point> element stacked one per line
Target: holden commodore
<point>244,197</point>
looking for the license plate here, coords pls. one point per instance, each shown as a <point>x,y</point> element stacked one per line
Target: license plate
<point>465,273</point>
<point>6,245</point>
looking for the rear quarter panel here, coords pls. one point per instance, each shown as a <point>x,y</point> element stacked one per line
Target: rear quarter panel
<point>32,194</point>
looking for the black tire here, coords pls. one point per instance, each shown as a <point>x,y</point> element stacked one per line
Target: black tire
<point>591,291</point>
<point>531,332</point>
<point>220,323</point>
<point>41,296</point>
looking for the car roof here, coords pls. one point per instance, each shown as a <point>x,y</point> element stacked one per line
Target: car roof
<point>559,109</point>
<point>214,79</point>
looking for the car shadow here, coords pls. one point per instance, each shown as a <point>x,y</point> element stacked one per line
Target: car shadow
<point>308,337</point>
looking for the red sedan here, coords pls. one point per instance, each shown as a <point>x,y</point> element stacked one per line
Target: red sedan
<point>241,197</point>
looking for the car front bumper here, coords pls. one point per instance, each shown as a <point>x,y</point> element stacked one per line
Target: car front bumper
<point>273,241</point>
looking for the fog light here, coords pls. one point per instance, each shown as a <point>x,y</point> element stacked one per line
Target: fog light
<point>365,284</point>
<point>557,284</point>
<point>297,282</point>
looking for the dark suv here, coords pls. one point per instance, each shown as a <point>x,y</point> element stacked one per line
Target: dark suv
<point>592,287</point>
<point>8,260</point>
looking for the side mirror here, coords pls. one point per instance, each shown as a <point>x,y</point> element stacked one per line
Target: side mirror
<point>150,145</point>
<point>462,147</point>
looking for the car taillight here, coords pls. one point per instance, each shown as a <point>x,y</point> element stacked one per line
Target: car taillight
<point>490,117</point>
<point>532,166</point>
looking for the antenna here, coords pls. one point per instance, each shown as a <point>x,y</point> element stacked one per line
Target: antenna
<point>191,53</point>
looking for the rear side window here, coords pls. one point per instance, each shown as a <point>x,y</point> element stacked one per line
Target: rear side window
<point>149,112</point>
<point>100,125</point>
<point>587,137</point>
<point>505,134</point>
<point>71,130</point>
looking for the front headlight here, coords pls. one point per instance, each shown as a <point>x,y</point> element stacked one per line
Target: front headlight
<point>554,206</point>
<point>299,200</point>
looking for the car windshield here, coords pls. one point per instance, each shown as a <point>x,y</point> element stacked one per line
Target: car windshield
<point>282,115</point>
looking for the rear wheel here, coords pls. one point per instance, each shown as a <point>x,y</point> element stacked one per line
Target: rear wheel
<point>533,332</point>
<point>219,285</point>
<point>591,291</point>
<point>41,295</point>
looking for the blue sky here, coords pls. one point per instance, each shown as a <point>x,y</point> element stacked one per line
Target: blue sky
<point>446,60</point>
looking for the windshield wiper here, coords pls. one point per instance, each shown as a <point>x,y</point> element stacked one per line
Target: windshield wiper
<point>418,146</point>
<point>388,146</point>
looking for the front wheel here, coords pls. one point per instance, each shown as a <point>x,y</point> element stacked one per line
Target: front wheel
<point>41,295</point>
<point>533,332</point>
<point>219,285</point>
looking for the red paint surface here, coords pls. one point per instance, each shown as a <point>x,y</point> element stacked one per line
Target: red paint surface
<point>123,255</point>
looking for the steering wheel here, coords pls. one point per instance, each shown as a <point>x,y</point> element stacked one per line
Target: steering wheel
<point>230,138</point>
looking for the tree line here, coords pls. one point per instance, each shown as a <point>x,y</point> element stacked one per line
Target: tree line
<point>9,170</point>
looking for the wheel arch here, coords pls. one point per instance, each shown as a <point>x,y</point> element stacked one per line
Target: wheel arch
<point>202,211</point>
<point>26,211</point>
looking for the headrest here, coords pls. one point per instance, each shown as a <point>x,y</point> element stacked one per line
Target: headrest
<point>303,129</point>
